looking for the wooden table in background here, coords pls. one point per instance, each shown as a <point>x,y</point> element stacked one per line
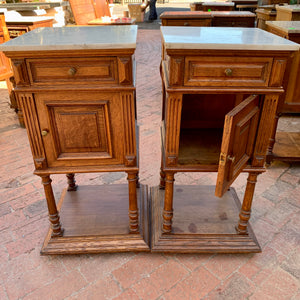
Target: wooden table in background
<point>233,19</point>
<point>288,12</point>
<point>285,146</point>
<point>186,18</point>
<point>20,25</point>
<point>264,15</point>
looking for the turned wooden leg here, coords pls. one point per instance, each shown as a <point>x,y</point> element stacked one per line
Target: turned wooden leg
<point>52,209</point>
<point>168,205</point>
<point>133,207</point>
<point>72,186</point>
<point>247,202</point>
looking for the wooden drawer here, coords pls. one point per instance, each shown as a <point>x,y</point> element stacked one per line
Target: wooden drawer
<point>187,22</point>
<point>227,71</point>
<point>233,22</point>
<point>72,70</point>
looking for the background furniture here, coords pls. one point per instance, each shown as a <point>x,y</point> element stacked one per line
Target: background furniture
<point>223,6</point>
<point>233,19</point>
<point>20,25</point>
<point>213,18</point>
<point>186,18</point>
<point>286,145</point>
<point>220,92</point>
<point>264,15</point>
<point>86,10</point>
<point>77,92</point>
<point>288,12</point>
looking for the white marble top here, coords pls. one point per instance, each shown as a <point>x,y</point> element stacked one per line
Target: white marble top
<point>218,3</point>
<point>286,26</point>
<point>229,38</point>
<point>294,7</point>
<point>74,38</point>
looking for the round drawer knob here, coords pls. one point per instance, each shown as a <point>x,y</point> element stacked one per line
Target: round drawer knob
<point>228,72</point>
<point>72,71</point>
<point>45,132</point>
<point>186,24</point>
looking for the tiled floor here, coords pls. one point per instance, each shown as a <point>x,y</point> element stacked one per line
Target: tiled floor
<point>24,274</point>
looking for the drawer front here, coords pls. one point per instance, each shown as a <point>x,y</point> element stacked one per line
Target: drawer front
<point>227,71</point>
<point>187,22</point>
<point>72,70</point>
<point>233,22</point>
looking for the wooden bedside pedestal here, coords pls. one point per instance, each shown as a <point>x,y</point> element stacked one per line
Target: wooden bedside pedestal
<point>219,101</point>
<point>186,18</point>
<point>76,88</point>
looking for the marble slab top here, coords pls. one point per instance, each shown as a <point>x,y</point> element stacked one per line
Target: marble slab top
<point>24,20</point>
<point>74,38</point>
<point>294,7</point>
<point>285,26</point>
<point>218,3</point>
<point>224,38</point>
<point>232,13</point>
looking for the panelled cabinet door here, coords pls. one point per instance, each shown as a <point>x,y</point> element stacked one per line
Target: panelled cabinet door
<point>238,141</point>
<point>81,128</point>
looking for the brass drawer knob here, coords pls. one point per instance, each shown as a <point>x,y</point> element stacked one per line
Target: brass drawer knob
<point>45,132</point>
<point>228,72</point>
<point>186,24</point>
<point>72,71</point>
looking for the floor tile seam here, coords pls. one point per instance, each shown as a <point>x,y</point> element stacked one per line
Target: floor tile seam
<point>35,189</point>
<point>148,275</point>
<point>4,290</point>
<point>45,285</point>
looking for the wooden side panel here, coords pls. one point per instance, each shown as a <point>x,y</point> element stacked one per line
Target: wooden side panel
<point>172,126</point>
<point>176,64</point>
<point>238,142</point>
<point>129,129</point>
<point>265,130</point>
<point>278,72</point>
<point>20,72</point>
<point>27,104</point>
<point>125,70</point>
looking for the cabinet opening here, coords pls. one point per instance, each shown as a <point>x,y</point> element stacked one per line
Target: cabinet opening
<point>201,130</point>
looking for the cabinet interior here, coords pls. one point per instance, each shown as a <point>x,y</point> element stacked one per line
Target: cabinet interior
<point>201,130</point>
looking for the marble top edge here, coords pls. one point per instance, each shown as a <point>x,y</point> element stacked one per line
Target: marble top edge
<point>74,38</point>
<point>227,38</point>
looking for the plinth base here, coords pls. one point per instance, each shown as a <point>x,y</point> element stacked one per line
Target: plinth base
<point>202,223</point>
<point>95,219</point>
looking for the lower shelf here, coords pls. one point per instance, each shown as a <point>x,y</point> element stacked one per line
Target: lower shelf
<point>95,219</point>
<point>202,223</point>
<point>287,146</point>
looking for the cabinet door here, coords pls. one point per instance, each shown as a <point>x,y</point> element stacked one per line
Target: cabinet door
<point>81,128</point>
<point>238,141</point>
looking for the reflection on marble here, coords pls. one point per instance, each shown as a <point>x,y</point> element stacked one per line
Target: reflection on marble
<point>286,26</point>
<point>230,38</point>
<point>74,38</point>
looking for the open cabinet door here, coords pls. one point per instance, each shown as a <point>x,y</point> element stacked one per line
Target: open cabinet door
<point>238,141</point>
